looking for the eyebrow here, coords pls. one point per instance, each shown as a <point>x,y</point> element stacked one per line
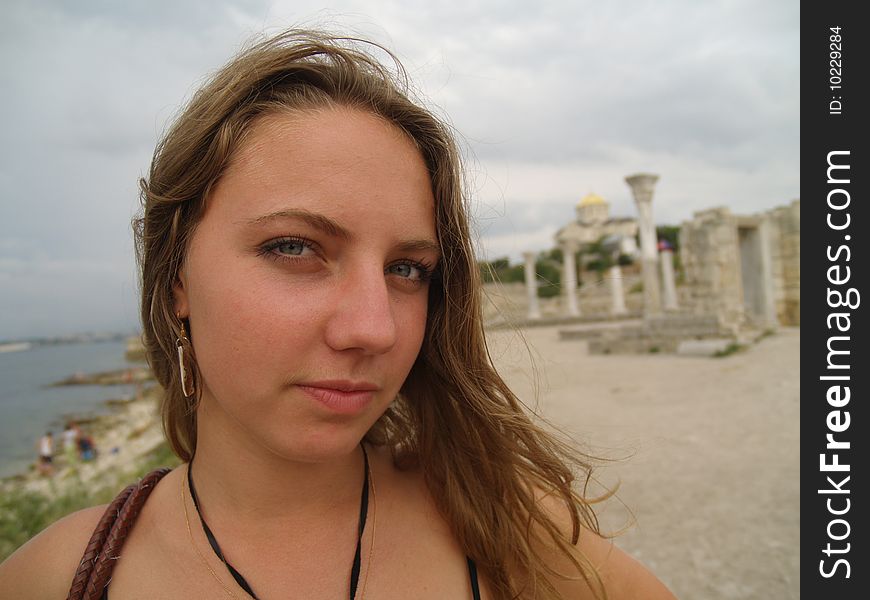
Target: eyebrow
<point>419,245</point>
<point>331,228</point>
<point>316,220</point>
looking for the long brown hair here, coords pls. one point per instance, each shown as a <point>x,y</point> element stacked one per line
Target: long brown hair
<point>484,460</point>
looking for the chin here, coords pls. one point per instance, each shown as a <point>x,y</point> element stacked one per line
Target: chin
<point>319,447</point>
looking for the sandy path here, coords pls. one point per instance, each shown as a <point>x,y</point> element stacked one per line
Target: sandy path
<point>714,478</point>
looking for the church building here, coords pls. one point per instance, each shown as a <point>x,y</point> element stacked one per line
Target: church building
<point>594,222</point>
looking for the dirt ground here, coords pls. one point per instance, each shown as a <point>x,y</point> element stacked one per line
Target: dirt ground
<point>711,448</point>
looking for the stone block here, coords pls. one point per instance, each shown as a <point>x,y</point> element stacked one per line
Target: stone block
<point>708,347</point>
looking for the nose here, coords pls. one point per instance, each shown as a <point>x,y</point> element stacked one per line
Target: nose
<point>362,314</point>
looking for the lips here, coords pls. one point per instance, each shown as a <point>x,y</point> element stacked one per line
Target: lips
<point>340,396</point>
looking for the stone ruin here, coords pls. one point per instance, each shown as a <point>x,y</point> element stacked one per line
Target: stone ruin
<point>745,269</point>
<point>740,280</point>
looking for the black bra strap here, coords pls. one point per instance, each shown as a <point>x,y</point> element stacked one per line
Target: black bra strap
<point>472,573</point>
<point>355,569</point>
<point>212,540</point>
<point>363,513</point>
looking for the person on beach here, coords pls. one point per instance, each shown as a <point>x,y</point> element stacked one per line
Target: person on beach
<point>311,305</point>
<point>87,451</point>
<point>45,449</point>
<point>70,438</point>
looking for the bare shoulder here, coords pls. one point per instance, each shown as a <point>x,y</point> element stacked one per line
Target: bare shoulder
<point>623,576</point>
<point>44,566</point>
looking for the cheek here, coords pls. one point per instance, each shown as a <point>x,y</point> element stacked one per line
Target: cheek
<point>412,327</point>
<point>244,328</point>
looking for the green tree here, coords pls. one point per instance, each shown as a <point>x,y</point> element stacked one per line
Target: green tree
<point>549,276</point>
<point>671,233</point>
<point>548,272</point>
<point>500,270</point>
<point>596,258</point>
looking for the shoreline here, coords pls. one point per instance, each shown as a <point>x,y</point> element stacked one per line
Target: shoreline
<point>123,438</point>
<point>129,376</point>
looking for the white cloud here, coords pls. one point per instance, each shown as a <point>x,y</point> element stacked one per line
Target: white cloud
<point>514,244</point>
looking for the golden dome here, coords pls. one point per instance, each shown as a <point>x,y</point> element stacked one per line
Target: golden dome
<point>590,199</point>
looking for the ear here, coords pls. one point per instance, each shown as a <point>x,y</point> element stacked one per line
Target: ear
<point>181,304</point>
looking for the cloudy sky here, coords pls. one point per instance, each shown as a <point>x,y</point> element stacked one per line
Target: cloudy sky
<point>554,100</point>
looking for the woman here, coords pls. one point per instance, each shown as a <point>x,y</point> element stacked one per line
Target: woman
<point>311,305</point>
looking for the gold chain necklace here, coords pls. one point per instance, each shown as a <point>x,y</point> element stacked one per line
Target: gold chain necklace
<point>374,524</point>
<point>229,591</point>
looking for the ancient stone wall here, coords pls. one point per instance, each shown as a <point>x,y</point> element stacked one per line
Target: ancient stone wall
<point>785,240</point>
<point>713,261</point>
<point>709,252</point>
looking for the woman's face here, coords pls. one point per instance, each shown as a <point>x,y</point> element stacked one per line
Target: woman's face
<point>308,275</point>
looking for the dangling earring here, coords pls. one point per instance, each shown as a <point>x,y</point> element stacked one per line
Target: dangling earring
<point>182,344</point>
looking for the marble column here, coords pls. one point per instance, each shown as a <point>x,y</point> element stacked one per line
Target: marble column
<point>569,279</point>
<point>642,186</point>
<point>669,287</point>
<point>532,285</point>
<point>617,291</point>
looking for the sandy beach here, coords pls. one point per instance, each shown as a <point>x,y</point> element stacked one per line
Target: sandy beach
<point>712,453</point>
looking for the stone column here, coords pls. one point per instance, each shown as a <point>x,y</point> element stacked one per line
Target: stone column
<point>569,279</point>
<point>532,285</point>
<point>669,287</point>
<point>617,291</point>
<point>642,186</point>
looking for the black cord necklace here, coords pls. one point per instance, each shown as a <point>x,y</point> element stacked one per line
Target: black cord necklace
<point>357,561</point>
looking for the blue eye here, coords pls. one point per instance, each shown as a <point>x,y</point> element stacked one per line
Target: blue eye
<point>290,248</point>
<point>287,248</point>
<point>411,271</point>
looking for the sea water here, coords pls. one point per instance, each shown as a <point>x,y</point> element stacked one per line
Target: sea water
<point>29,406</point>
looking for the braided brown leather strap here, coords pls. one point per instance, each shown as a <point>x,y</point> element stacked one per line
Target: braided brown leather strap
<point>98,538</point>
<point>105,544</point>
